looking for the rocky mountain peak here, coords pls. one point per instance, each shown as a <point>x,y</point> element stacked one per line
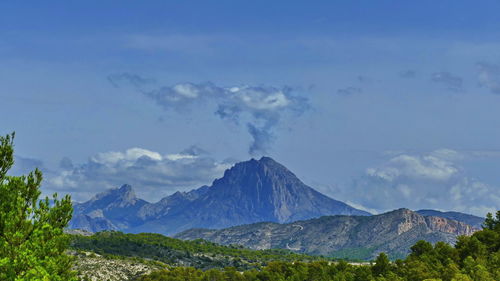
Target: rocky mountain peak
<point>118,204</point>
<point>264,172</point>
<point>125,193</point>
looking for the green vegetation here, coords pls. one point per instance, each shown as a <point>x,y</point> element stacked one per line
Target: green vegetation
<point>198,253</point>
<point>32,242</point>
<point>354,254</point>
<point>475,258</point>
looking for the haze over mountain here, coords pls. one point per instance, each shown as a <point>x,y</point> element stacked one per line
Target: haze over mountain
<point>361,237</point>
<point>249,192</point>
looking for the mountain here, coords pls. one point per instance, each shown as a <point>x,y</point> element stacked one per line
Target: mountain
<point>361,237</point>
<point>249,192</point>
<point>114,209</point>
<point>168,204</point>
<point>474,221</point>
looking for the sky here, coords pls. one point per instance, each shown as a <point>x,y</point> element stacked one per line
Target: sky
<point>381,104</point>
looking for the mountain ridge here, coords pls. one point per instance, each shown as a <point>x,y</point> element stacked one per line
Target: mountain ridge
<point>392,232</point>
<point>250,191</point>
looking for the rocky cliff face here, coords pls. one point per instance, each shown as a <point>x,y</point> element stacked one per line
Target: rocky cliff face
<point>393,232</point>
<point>474,221</point>
<point>449,226</point>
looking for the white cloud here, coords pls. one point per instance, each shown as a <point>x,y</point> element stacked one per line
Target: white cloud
<point>427,167</point>
<point>127,157</point>
<point>258,109</point>
<point>153,175</point>
<point>430,180</point>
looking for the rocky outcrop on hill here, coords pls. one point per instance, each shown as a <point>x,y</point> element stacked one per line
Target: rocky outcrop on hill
<point>474,221</point>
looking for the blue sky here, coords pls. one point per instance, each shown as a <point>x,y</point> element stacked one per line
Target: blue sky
<point>382,104</point>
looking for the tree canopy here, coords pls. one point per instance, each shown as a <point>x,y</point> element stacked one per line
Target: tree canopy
<point>32,242</point>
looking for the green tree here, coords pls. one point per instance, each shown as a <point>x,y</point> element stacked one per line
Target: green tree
<point>421,248</point>
<point>32,242</point>
<point>382,265</point>
<point>492,223</point>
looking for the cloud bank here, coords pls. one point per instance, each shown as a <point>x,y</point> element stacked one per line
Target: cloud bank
<point>258,109</point>
<point>154,175</point>
<point>433,180</point>
<point>25,165</point>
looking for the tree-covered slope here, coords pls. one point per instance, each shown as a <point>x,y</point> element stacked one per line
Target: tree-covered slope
<point>200,254</point>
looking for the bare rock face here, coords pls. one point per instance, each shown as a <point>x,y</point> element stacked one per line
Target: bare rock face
<point>471,220</point>
<point>449,226</point>
<point>393,232</point>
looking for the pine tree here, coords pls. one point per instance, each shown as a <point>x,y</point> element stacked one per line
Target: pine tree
<point>32,242</point>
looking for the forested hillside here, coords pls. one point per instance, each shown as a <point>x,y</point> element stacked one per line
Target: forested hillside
<point>174,252</point>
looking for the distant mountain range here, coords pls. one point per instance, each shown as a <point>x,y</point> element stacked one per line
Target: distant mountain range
<point>358,237</point>
<point>249,192</point>
<point>260,204</point>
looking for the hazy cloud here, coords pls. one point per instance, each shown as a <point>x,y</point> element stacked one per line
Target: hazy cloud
<point>153,174</point>
<point>489,76</point>
<point>408,74</point>
<point>66,164</point>
<point>349,91</point>
<point>433,180</point>
<point>23,165</point>
<point>128,78</point>
<point>363,79</point>
<point>450,81</point>
<point>258,109</point>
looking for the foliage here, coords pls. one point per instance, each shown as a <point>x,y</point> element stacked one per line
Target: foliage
<point>32,242</point>
<point>198,253</point>
<point>354,254</point>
